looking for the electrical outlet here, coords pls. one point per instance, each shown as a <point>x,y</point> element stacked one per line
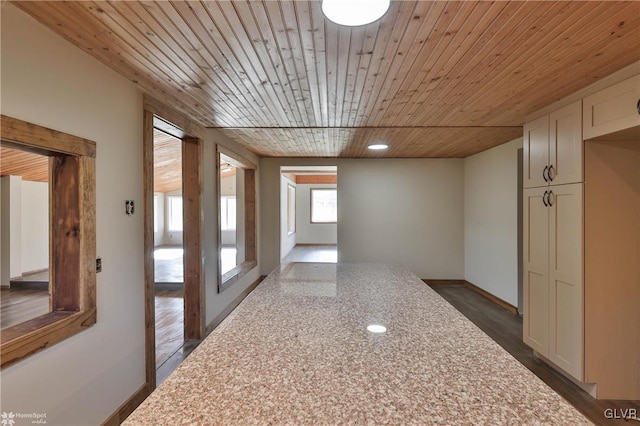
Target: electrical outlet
<point>128,207</point>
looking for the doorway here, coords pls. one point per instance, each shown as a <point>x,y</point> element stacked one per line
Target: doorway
<point>309,214</point>
<point>168,252</point>
<point>173,263</point>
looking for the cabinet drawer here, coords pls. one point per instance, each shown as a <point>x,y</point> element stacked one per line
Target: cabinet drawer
<point>612,109</point>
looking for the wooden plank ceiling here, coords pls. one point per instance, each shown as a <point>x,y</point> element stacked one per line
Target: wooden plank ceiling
<point>167,162</point>
<point>431,78</point>
<point>31,167</point>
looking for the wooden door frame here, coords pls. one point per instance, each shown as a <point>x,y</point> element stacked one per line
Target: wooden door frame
<point>191,135</point>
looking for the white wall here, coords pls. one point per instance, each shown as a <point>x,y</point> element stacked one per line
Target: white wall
<point>11,218</point>
<point>48,81</point>
<point>491,220</point>
<point>287,242</point>
<point>407,211</point>
<point>402,211</point>
<point>307,232</point>
<point>35,226</point>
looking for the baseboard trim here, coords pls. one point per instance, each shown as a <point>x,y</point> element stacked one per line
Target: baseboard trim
<point>316,244</point>
<point>128,406</point>
<point>495,299</point>
<point>226,311</point>
<point>444,282</point>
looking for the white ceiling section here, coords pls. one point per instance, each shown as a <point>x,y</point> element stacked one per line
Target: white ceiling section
<point>431,78</point>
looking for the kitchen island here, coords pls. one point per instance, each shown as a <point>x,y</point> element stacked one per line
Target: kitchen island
<point>299,350</point>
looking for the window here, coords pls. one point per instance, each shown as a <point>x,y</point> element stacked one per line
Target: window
<point>72,236</point>
<point>291,209</point>
<point>228,213</point>
<point>175,213</point>
<point>324,205</point>
<point>156,212</point>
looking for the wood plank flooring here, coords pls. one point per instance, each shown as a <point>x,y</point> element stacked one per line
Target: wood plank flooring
<point>312,253</point>
<point>169,324</point>
<point>21,304</point>
<point>506,329</point>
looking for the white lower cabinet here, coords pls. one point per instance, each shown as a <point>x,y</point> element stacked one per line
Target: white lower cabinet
<point>553,275</point>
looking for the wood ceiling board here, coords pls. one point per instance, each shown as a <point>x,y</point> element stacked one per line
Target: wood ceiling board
<point>29,166</point>
<point>268,64</point>
<point>167,162</point>
<point>440,142</point>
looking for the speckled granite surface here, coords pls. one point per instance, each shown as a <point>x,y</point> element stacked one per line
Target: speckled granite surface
<point>297,351</point>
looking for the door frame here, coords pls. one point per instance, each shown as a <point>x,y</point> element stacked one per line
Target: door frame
<point>156,115</point>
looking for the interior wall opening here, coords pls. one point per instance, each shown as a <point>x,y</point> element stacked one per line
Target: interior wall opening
<point>308,214</point>
<point>24,235</point>
<point>168,253</point>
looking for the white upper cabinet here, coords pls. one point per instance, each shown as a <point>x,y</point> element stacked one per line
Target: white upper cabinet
<point>536,152</point>
<point>553,148</point>
<point>565,145</point>
<point>612,109</point>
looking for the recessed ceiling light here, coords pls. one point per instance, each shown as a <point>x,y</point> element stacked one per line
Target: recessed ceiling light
<point>378,146</point>
<point>354,13</point>
<point>376,328</point>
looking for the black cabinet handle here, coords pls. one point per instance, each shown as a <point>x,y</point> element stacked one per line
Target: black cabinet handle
<point>544,173</point>
<point>550,198</point>
<point>549,173</point>
<point>544,199</point>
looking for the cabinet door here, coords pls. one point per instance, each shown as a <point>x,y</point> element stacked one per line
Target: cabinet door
<point>566,338</point>
<point>565,145</point>
<point>536,152</point>
<point>536,270</point>
<point>612,109</point>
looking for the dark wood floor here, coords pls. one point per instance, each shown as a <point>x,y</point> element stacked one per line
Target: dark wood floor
<point>506,329</point>
<point>21,304</point>
<point>169,323</point>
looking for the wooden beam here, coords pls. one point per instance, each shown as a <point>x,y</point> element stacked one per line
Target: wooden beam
<point>39,333</point>
<point>192,153</point>
<point>65,233</point>
<point>251,254</point>
<point>312,179</point>
<point>43,140</point>
<point>149,270</point>
<point>171,116</point>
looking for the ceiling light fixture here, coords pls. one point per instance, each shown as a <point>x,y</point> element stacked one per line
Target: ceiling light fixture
<point>354,13</point>
<point>378,146</point>
<point>376,328</point>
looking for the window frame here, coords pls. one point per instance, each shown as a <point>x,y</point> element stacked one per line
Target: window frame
<point>311,206</point>
<point>72,231</point>
<point>250,216</point>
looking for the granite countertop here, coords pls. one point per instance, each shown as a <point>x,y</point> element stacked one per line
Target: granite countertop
<point>297,351</point>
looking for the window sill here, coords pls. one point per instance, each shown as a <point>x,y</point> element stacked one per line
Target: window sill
<point>24,339</point>
<point>230,277</point>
